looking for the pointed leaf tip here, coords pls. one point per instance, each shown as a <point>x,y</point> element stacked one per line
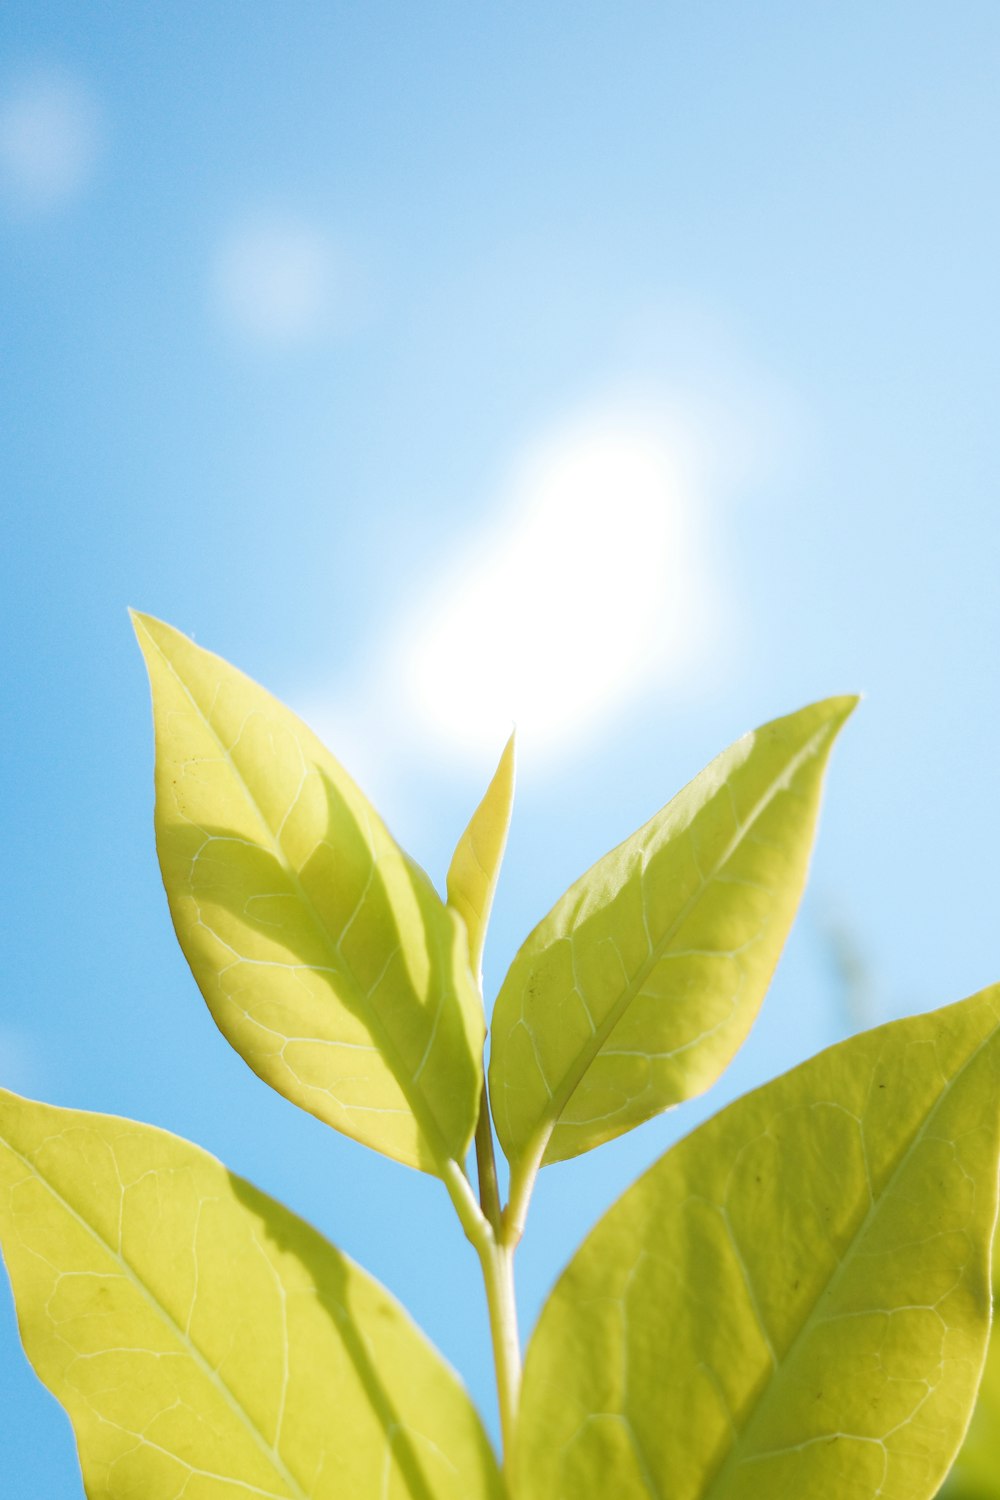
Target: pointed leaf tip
<point>475,865</point>
<point>642,982</point>
<point>322,950</point>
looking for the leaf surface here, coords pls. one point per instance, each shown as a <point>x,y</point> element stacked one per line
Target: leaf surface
<point>644,979</point>
<point>475,865</point>
<point>792,1302</point>
<point>976,1475</point>
<point>208,1344</point>
<point>323,952</point>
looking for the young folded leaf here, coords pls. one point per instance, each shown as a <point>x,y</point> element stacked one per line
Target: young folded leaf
<point>795,1300</point>
<point>325,955</point>
<point>206,1342</point>
<point>475,865</point>
<point>644,979</point>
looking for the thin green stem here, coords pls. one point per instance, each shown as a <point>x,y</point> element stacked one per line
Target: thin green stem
<point>478,1230</point>
<point>496,1257</point>
<point>486,1162</point>
<point>522,1185</point>
<point>482,1224</point>
<point>498,1275</point>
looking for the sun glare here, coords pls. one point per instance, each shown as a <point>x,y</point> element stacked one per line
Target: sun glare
<point>591,581</point>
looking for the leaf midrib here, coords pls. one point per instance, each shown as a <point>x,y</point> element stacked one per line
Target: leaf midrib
<point>164,1313</point>
<point>759,1407</point>
<point>594,1044</point>
<point>425,1119</point>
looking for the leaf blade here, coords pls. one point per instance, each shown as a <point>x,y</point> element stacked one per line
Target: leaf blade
<point>475,865</point>
<point>976,1474</point>
<point>640,984</point>
<point>324,954</point>
<point>203,1339</point>
<point>795,1299</point>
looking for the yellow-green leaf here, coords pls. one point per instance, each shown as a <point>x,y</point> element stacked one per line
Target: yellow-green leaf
<point>976,1475</point>
<point>475,865</point>
<point>794,1301</point>
<point>642,982</point>
<point>325,955</point>
<point>208,1344</point>
<point>977,1470</point>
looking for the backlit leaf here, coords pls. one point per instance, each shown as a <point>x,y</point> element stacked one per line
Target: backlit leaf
<point>325,955</point>
<point>206,1343</point>
<point>642,982</point>
<point>794,1301</point>
<point>475,865</point>
<point>976,1475</point>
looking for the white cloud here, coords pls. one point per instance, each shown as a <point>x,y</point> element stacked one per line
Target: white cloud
<point>594,579</point>
<point>274,281</point>
<point>50,141</point>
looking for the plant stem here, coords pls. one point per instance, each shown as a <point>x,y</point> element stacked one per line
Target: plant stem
<point>522,1185</point>
<point>496,1257</point>
<point>497,1260</point>
<point>489,1191</point>
<point>478,1230</point>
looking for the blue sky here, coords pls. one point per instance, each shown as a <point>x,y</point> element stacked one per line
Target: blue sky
<point>629,370</point>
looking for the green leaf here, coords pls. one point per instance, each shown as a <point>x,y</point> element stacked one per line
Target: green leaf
<point>644,979</point>
<point>794,1301</point>
<point>207,1343</point>
<point>976,1475</point>
<point>475,865</point>
<point>324,954</point>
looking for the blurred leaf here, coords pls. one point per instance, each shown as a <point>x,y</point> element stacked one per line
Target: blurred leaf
<point>976,1475</point>
<point>324,954</point>
<point>643,981</point>
<point>206,1342</point>
<point>856,990</point>
<point>475,865</point>
<point>794,1301</point>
